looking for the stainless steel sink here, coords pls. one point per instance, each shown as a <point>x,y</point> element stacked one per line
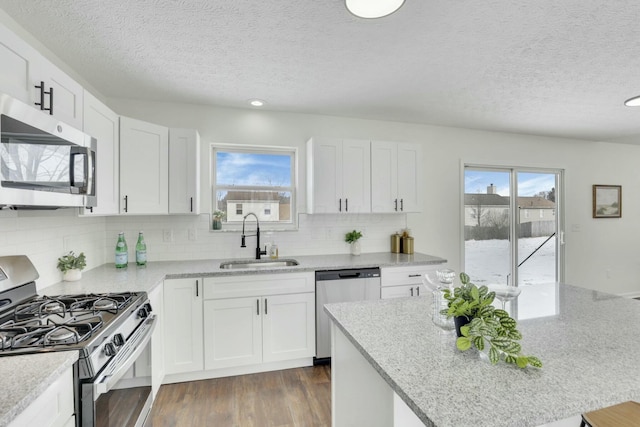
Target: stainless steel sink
<point>267,263</point>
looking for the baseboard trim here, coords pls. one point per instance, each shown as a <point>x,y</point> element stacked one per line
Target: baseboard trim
<point>238,370</point>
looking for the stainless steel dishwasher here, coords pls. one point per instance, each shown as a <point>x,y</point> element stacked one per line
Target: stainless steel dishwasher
<point>340,286</point>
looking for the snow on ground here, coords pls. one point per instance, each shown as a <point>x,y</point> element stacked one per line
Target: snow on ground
<point>487,262</point>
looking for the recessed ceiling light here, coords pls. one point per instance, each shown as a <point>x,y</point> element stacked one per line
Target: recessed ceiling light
<point>257,102</point>
<point>633,102</point>
<point>370,9</point>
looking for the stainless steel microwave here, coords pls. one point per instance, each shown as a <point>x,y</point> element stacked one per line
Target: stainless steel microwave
<point>44,163</point>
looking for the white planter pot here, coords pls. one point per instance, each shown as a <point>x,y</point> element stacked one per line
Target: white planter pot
<point>355,248</point>
<point>72,275</point>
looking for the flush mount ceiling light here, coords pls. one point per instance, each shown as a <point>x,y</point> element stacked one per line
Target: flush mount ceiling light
<point>633,102</point>
<point>370,9</point>
<point>256,102</point>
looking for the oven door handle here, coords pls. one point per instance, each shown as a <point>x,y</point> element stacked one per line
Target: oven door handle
<point>116,368</point>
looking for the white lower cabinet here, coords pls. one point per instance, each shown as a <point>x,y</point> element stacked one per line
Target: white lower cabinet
<point>183,326</point>
<point>398,282</point>
<point>53,408</point>
<point>243,329</point>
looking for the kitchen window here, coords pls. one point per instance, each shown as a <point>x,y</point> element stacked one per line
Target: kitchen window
<point>258,180</point>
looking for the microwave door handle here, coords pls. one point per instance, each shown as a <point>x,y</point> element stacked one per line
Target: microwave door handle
<point>79,151</point>
<point>105,382</point>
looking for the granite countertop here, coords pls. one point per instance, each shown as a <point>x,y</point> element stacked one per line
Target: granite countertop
<point>107,278</point>
<point>585,339</point>
<point>27,377</point>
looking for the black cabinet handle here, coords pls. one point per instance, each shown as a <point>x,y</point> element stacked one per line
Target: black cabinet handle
<point>401,204</point>
<point>396,203</point>
<point>266,307</point>
<point>258,307</point>
<point>340,205</point>
<point>418,290</point>
<point>126,204</point>
<point>346,205</point>
<point>41,103</point>
<point>50,109</point>
<point>197,288</point>
<point>191,204</point>
<point>414,275</point>
<point>411,291</point>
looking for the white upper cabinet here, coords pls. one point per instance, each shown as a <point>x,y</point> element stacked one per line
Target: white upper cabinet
<point>184,171</point>
<point>144,167</point>
<point>338,176</point>
<point>396,184</point>
<point>17,59</point>
<point>23,68</point>
<point>103,124</point>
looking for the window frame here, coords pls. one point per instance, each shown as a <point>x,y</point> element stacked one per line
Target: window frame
<point>292,224</point>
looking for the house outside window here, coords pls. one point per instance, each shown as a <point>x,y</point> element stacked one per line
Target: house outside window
<point>258,180</point>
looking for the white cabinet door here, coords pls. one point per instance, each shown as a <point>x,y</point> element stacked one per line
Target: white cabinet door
<point>184,171</point>
<point>17,59</point>
<point>156,298</point>
<point>103,124</point>
<point>183,325</point>
<point>67,97</point>
<point>324,177</point>
<point>232,332</point>
<point>396,184</point>
<point>144,167</point>
<point>384,177</point>
<point>339,176</point>
<point>410,166</point>
<point>288,327</point>
<point>356,176</point>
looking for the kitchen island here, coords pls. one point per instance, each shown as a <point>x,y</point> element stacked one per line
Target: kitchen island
<point>388,349</point>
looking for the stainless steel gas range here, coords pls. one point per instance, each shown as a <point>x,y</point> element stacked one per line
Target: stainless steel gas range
<point>111,332</point>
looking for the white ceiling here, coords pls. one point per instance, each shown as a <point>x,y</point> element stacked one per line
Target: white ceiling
<point>545,67</point>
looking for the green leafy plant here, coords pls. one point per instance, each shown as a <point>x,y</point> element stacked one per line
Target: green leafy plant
<point>488,327</point>
<point>219,214</point>
<point>70,261</point>
<point>352,236</point>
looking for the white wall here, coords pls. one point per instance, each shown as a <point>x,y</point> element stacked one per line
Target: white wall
<point>593,246</point>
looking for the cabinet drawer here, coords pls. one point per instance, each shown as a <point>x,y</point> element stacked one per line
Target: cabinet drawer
<point>258,284</point>
<point>398,276</point>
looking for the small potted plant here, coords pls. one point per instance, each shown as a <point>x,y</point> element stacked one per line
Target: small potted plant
<point>72,266</point>
<point>480,325</point>
<point>352,238</point>
<point>218,216</point>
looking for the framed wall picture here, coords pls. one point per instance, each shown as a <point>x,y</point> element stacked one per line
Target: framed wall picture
<point>607,201</point>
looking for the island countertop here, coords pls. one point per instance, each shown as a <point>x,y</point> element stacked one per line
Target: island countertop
<point>587,341</point>
<point>107,278</point>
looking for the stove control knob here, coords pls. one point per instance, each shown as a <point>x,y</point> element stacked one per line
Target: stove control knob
<point>109,349</point>
<point>118,340</point>
<point>148,307</point>
<point>143,312</point>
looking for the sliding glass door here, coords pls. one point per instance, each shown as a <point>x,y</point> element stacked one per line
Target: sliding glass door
<point>511,225</point>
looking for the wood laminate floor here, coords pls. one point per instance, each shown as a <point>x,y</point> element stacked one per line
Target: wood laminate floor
<point>291,398</point>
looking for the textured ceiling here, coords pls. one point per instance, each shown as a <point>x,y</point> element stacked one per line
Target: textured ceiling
<point>543,67</point>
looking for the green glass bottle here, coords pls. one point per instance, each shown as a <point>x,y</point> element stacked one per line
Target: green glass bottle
<point>122,252</point>
<point>141,250</point>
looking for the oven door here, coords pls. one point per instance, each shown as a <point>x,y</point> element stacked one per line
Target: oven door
<point>120,395</point>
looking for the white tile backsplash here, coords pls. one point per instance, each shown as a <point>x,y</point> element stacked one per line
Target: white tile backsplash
<point>46,235</point>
